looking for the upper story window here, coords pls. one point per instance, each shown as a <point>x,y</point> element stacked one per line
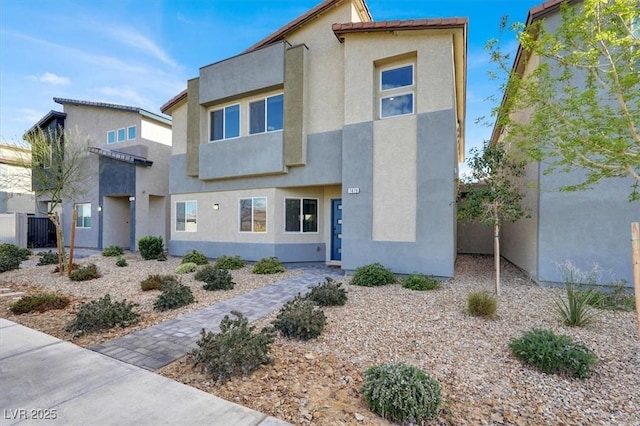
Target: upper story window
<point>121,135</point>
<point>397,91</point>
<point>131,132</point>
<point>301,215</point>
<point>225,123</point>
<point>111,136</point>
<point>266,115</point>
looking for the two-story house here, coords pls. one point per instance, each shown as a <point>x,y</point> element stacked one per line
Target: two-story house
<point>335,139</point>
<point>126,195</point>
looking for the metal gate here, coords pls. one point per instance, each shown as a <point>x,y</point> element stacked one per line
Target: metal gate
<point>40,232</point>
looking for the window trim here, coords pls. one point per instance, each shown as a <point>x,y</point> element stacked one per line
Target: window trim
<point>266,114</point>
<point>266,213</point>
<point>185,223</point>
<point>115,139</point>
<point>393,67</point>
<point>413,104</point>
<point>129,138</point>
<point>224,122</point>
<point>75,207</point>
<point>301,221</point>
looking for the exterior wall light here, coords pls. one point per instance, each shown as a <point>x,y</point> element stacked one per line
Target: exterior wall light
<point>216,206</point>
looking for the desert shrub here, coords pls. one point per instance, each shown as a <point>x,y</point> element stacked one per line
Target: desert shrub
<point>12,250</point>
<point>214,279</point>
<point>48,258</point>
<point>39,303</point>
<point>481,304</point>
<point>121,262</point>
<point>420,282</point>
<point>103,314</point>
<point>87,272</point>
<point>575,311</point>
<point>113,251</point>
<point>616,300</point>
<point>553,354</point>
<point>372,275</point>
<point>328,293</point>
<point>268,265</point>
<point>236,350</point>
<point>229,262</point>
<point>150,247</point>
<point>186,268</point>
<point>156,282</point>
<point>174,295</point>
<point>401,393</point>
<point>300,319</point>
<point>194,256</point>
<point>9,263</point>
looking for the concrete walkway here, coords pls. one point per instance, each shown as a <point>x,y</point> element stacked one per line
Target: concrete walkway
<point>44,380</point>
<point>154,347</point>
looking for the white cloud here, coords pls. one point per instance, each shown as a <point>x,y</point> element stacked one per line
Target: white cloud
<point>134,39</point>
<point>27,115</point>
<point>127,96</point>
<point>51,78</point>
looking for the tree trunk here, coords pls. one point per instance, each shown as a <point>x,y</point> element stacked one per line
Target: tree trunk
<point>496,255</point>
<point>74,217</point>
<point>55,218</point>
<point>635,245</point>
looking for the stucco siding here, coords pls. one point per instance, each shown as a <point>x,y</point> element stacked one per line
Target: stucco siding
<point>154,132</point>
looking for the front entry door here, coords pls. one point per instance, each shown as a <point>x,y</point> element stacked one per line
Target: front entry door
<point>336,229</point>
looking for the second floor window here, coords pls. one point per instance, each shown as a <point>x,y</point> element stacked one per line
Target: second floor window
<point>111,136</point>
<point>131,132</point>
<point>396,91</point>
<point>225,123</point>
<point>121,135</point>
<point>266,115</point>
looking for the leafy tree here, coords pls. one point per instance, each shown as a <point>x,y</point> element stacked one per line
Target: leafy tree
<point>492,194</point>
<point>582,93</point>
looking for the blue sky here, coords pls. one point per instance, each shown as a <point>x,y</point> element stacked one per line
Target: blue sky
<point>141,52</point>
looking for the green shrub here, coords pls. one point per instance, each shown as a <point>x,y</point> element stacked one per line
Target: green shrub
<point>420,282</point>
<point>12,250</point>
<point>328,293</point>
<point>39,303</point>
<point>481,304</point>
<point>229,262</point>
<point>196,257</point>
<point>88,272</point>
<point>162,256</point>
<point>235,351</point>
<point>617,300</point>
<point>48,258</point>
<point>575,310</point>
<point>553,354</point>
<point>401,393</point>
<point>150,247</point>
<point>121,262</point>
<point>156,282</point>
<point>103,314</point>
<point>372,275</point>
<point>214,279</point>
<point>186,268</point>
<point>300,319</point>
<point>268,265</point>
<point>113,251</point>
<point>174,295</point>
<point>9,263</point>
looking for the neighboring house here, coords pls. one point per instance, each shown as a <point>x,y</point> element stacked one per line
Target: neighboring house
<point>15,180</point>
<point>591,228</point>
<point>126,196</point>
<point>335,139</point>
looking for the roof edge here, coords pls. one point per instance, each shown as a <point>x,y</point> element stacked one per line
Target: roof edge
<point>173,101</point>
<point>139,110</point>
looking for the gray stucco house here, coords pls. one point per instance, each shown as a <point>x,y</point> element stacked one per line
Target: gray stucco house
<point>590,229</point>
<point>126,196</point>
<point>335,139</point>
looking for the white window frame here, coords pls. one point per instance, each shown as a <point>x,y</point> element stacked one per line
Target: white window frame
<point>397,91</point>
<point>413,104</point>
<point>124,134</point>
<point>266,214</point>
<point>224,122</point>
<point>115,137</point>
<point>266,114</point>
<point>129,138</point>
<point>395,67</point>
<point>175,224</point>
<point>300,214</point>
<point>75,207</point>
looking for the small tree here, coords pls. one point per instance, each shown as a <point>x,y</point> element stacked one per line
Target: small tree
<point>492,194</point>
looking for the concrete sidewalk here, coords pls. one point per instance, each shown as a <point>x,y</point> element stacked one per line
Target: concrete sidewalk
<point>45,380</point>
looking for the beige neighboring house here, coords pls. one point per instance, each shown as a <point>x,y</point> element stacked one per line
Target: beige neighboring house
<point>15,180</point>
<point>335,139</point>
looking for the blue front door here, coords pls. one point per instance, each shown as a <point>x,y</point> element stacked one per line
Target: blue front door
<point>336,229</point>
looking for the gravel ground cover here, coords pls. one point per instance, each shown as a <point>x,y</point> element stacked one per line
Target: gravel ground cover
<point>318,382</point>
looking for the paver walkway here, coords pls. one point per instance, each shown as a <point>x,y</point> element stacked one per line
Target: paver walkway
<point>154,347</point>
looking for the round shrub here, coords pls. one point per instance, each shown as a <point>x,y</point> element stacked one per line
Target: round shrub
<point>113,251</point>
<point>103,314</point>
<point>194,256</point>
<point>553,354</point>
<point>47,258</point>
<point>174,295</point>
<point>39,303</point>
<point>150,247</point>
<point>88,272</point>
<point>300,319</point>
<point>372,275</point>
<point>482,304</point>
<point>329,293</point>
<point>214,279</point>
<point>268,265</point>
<point>186,268</point>
<point>156,282</point>
<point>229,262</point>
<point>401,393</point>
<point>121,262</point>
<point>12,250</point>
<point>420,282</point>
<point>9,263</point>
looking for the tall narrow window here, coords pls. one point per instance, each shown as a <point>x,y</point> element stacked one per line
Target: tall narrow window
<point>121,135</point>
<point>111,136</point>
<point>186,216</point>
<point>266,115</point>
<point>131,132</point>
<point>83,219</point>
<point>396,91</point>
<point>253,214</point>
<point>225,123</point>
<point>301,214</point>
